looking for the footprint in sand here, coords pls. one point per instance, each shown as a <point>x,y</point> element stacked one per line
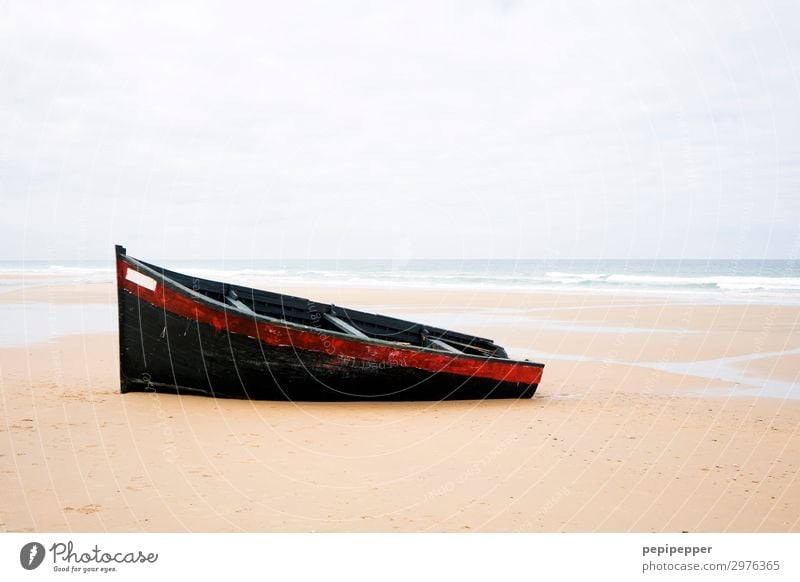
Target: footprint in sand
<point>25,426</point>
<point>73,396</point>
<point>86,509</point>
<point>138,483</point>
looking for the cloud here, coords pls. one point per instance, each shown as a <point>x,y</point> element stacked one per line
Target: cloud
<point>478,129</point>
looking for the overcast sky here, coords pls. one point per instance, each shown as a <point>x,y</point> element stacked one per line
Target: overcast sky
<point>461,129</point>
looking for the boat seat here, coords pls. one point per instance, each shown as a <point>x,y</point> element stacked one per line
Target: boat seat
<point>233,299</point>
<point>440,345</point>
<point>430,342</point>
<point>344,326</point>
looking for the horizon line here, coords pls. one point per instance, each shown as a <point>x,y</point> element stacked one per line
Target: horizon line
<point>423,259</point>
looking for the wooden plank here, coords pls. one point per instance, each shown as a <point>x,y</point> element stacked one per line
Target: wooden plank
<point>344,326</point>
<point>439,344</point>
<point>233,299</point>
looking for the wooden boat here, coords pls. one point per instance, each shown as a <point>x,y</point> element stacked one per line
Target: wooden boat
<point>186,335</point>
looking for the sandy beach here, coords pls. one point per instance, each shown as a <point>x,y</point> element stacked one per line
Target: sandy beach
<point>653,415</point>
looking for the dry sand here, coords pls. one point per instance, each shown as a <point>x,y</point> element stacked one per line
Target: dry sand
<point>608,444</point>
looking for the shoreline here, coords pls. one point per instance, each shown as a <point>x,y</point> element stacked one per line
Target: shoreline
<point>669,337</point>
<point>51,287</point>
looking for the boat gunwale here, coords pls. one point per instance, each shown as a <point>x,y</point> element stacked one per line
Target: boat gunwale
<point>252,315</point>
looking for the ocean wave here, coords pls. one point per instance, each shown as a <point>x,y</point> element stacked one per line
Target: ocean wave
<point>575,278</point>
<point>16,275</point>
<point>723,282</point>
<point>54,270</point>
<point>779,280</point>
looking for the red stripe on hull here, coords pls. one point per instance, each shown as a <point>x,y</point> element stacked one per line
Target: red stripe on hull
<point>319,341</point>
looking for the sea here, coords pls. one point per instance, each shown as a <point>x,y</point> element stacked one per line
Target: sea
<point>773,281</point>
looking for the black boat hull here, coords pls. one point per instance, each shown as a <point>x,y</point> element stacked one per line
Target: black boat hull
<point>167,353</point>
<point>172,340</point>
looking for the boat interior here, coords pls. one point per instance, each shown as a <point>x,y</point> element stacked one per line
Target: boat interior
<point>329,317</point>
